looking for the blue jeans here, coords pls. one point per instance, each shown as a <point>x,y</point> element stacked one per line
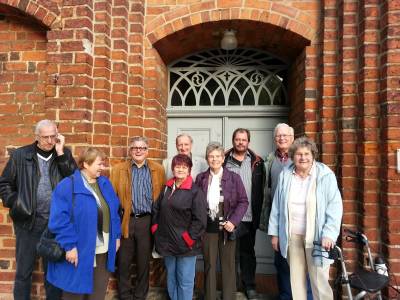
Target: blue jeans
<point>180,276</point>
<point>25,256</point>
<point>283,278</point>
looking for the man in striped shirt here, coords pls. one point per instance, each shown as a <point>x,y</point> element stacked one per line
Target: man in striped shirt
<point>243,161</point>
<point>137,182</point>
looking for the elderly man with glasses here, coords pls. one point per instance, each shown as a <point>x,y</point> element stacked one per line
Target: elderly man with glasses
<point>137,182</point>
<point>184,144</point>
<point>26,184</point>
<point>276,161</point>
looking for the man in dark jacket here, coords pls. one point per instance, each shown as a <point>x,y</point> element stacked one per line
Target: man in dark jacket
<point>241,160</point>
<point>26,184</point>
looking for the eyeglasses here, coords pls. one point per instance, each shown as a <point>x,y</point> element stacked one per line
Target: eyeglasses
<point>283,136</point>
<point>139,149</point>
<point>47,137</point>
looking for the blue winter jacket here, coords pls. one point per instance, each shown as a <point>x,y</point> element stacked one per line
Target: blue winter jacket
<point>81,233</point>
<point>328,213</point>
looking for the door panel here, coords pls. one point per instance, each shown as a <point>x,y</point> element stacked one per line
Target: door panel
<point>261,132</point>
<point>202,130</point>
<point>262,143</point>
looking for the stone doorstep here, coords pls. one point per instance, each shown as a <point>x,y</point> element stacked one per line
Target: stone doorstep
<point>156,293</point>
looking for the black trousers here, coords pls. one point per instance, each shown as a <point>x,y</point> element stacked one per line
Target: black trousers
<point>25,256</point>
<point>136,248</point>
<point>246,258</point>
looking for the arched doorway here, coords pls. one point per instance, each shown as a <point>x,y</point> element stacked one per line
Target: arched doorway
<point>213,92</point>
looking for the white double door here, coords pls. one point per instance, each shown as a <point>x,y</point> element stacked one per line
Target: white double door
<point>220,129</point>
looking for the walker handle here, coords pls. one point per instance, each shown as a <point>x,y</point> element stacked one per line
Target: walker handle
<point>355,236</point>
<point>332,253</point>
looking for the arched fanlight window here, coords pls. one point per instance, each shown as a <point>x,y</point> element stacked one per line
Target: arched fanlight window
<point>216,78</point>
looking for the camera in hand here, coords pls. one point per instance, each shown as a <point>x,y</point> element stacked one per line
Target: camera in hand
<point>221,223</point>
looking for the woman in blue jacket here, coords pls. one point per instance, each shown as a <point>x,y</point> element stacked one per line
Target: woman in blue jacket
<point>307,207</point>
<point>84,217</point>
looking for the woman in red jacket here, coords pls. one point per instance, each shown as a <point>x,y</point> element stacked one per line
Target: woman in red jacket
<point>179,221</point>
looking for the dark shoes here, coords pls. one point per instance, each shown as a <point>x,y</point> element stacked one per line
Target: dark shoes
<point>251,294</point>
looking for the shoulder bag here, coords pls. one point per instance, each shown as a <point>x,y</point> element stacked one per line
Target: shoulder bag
<point>48,247</point>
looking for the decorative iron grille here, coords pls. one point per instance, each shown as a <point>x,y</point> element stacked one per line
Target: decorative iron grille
<point>240,77</point>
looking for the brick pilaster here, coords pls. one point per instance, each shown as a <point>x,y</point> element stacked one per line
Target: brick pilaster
<point>389,105</point>
<point>70,67</point>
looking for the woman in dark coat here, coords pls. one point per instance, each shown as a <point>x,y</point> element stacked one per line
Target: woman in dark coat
<point>227,203</point>
<point>179,221</point>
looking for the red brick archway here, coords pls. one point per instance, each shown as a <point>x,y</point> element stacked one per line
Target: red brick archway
<point>287,17</point>
<point>295,27</point>
<point>190,28</point>
<point>45,12</point>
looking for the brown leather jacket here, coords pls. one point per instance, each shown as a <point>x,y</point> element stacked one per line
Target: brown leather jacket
<point>121,178</point>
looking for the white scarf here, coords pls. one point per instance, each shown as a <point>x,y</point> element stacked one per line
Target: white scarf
<point>214,193</point>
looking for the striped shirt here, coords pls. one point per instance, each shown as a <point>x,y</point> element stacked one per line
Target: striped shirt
<point>141,189</point>
<point>243,168</point>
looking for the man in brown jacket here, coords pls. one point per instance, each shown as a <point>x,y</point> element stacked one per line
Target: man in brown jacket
<point>137,182</point>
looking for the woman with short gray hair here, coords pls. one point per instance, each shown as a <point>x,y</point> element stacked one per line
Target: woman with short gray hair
<point>226,204</point>
<point>303,142</point>
<point>214,146</point>
<point>307,207</point>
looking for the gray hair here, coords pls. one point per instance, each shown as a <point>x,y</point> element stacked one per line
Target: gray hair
<point>303,142</point>
<point>214,146</point>
<point>291,130</point>
<point>183,135</point>
<point>138,139</point>
<point>44,123</point>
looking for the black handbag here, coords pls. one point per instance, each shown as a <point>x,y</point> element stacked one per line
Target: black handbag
<point>238,232</point>
<point>47,247</point>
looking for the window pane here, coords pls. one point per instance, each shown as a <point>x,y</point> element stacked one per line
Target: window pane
<point>264,98</point>
<point>248,98</point>
<point>176,99</point>
<point>205,99</point>
<point>190,99</point>
<point>219,99</point>
<point>234,98</point>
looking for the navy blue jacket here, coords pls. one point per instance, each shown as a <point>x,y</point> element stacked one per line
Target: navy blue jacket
<point>179,219</point>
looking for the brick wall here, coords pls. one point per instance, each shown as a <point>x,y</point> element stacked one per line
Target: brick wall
<point>355,74</point>
<point>22,80</point>
<point>388,128</point>
<point>99,68</point>
<point>22,93</point>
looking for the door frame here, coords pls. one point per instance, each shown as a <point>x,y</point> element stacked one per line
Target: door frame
<point>228,111</point>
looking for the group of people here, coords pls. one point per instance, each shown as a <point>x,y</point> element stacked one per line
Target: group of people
<point>185,207</point>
